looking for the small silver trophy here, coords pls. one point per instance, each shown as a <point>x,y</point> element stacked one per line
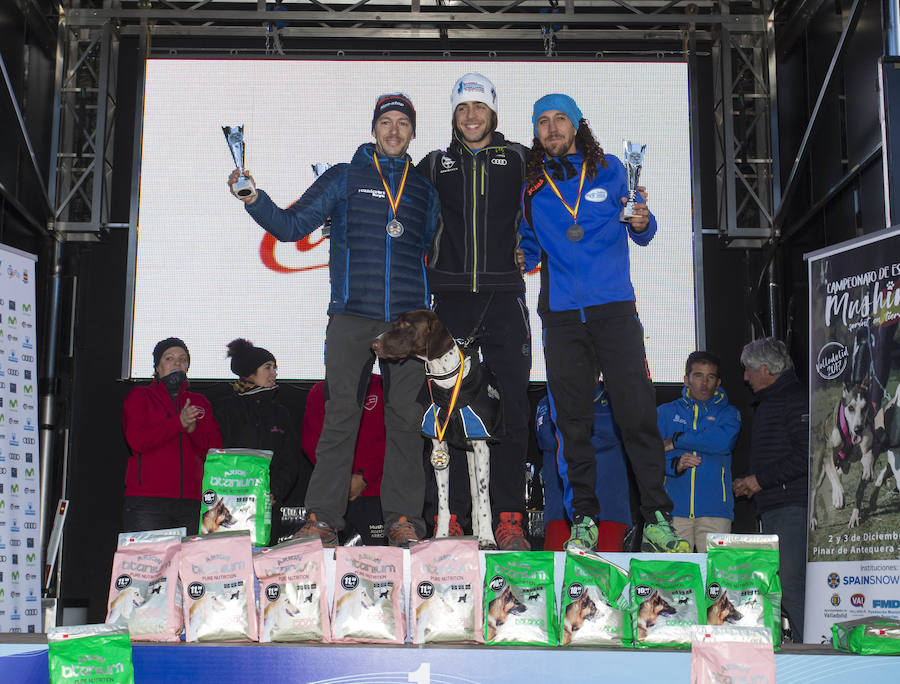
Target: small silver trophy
<point>633,159</point>
<point>318,169</point>
<point>234,136</point>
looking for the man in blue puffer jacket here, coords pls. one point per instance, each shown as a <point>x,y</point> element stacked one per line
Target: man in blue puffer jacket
<point>571,205</point>
<point>699,431</point>
<point>384,216</point>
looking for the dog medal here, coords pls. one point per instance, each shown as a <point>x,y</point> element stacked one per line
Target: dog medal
<point>440,458</point>
<point>575,233</point>
<point>394,228</point>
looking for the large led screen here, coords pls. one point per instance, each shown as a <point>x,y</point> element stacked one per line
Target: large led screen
<point>204,271</point>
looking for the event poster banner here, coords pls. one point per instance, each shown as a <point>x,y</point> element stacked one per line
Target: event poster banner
<point>20,562</point>
<point>854,375</point>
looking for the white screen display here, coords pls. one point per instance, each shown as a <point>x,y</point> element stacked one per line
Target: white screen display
<point>205,272</point>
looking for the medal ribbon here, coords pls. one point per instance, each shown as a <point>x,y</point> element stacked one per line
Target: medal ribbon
<point>393,202</point>
<point>438,429</point>
<point>555,189</point>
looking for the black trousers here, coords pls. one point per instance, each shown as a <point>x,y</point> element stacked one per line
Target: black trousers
<point>142,513</point>
<point>504,338</point>
<point>575,354</point>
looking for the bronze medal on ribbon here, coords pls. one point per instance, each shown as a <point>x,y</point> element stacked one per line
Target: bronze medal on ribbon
<point>575,233</point>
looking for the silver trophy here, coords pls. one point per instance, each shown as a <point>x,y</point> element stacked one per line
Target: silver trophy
<point>234,136</point>
<point>318,169</point>
<point>633,159</point>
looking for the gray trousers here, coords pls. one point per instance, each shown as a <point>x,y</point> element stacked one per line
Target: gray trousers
<point>348,365</point>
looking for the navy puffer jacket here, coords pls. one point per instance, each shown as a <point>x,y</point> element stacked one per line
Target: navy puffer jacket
<point>373,275</point>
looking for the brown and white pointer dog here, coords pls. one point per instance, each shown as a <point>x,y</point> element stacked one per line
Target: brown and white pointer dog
<point>421,333</point>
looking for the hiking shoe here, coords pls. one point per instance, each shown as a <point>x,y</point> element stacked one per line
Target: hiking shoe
<point>402,533</point>
<point>509,534</point>
<point>661,537</point>
<point>583,534</point>
<point>320,529</point>
<point>456,529</point>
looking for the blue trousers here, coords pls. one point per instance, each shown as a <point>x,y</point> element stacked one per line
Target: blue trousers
<point>789,523</point>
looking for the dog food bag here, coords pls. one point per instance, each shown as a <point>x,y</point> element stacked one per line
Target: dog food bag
<point>144,593</point>
<point>445,588</point>
<point>89,654</point>
<point>594,610</point>
<point>236,493</point>
<point>666,601</point>
<point>725,653</point>
<point>368,595</point>
<point>293,601</point>
<point>742,584</point>
<point>219,592</point>
<point>520,599</point>
<point>867,636</point>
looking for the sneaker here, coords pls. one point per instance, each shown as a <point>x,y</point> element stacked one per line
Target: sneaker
<point>661,536</point>
<point>509,534</point>
<point>402,533</point>
<point>583,534</point>
<point>320,529</point>
<point>456,529</point>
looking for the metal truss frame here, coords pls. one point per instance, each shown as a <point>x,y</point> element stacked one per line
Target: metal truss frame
<point>84,116</point>
<point>740,36</point>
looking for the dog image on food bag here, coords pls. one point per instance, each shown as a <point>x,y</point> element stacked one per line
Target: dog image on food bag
<point>577,614</point>
<point>722,611</point>
<point>216,518</point>
<point>500,609</point>
<point>650,611</point>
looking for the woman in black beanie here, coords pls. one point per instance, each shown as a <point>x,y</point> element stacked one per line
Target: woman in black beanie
<point>252,418</point>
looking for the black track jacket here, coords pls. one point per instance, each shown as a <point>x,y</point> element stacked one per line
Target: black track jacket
<point>474,247</point>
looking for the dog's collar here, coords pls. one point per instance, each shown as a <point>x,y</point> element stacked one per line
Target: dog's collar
<point>451,373</point>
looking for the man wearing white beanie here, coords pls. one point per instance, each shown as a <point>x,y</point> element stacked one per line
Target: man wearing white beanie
<point>478,288</point>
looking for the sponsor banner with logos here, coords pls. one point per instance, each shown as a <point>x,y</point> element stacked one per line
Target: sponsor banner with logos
<point>854,440</point>
<point>848,590</point>
<point>20,562</point>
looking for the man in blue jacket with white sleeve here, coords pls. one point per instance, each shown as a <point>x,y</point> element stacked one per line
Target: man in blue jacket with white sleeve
<point>699,431</point>
<point>384,216</point>
<point>571,204</point>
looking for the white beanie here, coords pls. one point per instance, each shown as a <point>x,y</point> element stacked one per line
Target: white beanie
<point>473,87</point>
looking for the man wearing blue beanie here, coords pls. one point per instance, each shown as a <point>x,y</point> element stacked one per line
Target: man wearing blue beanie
<point>570,225</point>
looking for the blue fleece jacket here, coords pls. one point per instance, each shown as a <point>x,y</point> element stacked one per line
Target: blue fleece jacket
<point>594,270</point>
<point>709,429</point>
<point>372,274</point>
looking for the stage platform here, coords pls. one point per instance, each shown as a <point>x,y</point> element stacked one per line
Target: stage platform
<point>23,660</point>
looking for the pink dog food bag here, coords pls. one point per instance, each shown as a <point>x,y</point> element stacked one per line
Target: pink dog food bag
<point>445,591</point>
<point>219,590</point>
<point>728,653</point>
<point>368,595</point>
<point>144,593</point>
<point>293,601</point>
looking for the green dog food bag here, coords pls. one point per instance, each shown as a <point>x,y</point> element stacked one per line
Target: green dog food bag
<point>742,584</point>
<point>666,601</point>
<point>236,493</point>
<point>90,654</point>
<point>594,610</point>
<point>867,636</point>
<point>520,599</point>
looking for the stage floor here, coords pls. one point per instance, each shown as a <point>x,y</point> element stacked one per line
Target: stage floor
<point>23,660</point>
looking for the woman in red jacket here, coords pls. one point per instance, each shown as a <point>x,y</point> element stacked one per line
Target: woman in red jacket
<point>169,431</point>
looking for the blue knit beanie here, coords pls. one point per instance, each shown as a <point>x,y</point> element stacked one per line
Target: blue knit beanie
<point>563,103</point>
